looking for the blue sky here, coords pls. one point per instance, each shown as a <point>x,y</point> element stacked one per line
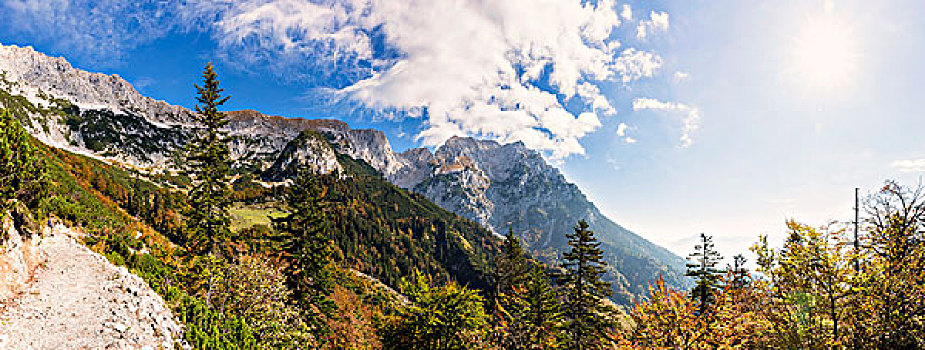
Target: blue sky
<point>675,117</point>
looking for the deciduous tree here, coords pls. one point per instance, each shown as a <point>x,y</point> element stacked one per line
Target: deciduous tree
<point>447,317</point>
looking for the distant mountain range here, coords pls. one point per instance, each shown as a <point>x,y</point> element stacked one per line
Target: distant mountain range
<point>498,186</point>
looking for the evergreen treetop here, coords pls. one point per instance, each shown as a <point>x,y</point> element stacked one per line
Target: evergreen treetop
<point>210,98</point>
<point>589,319</point>
<point>738,272</point>
<point>208,161</point>
<point>304,236</point>
<point>705,273</point>
<point>511,266</point>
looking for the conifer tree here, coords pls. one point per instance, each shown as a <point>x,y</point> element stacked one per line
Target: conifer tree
<point>208,162</point>
<point>738,272</point>
<point>588,319</point>
<point>21,172</point>
<point>535,317</point>
<point>304,236</point>
<point>527,307</point>
<point>703,270</point>
<point>511,267</point>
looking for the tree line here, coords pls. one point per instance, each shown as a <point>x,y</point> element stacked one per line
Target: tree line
<point>822,289</point>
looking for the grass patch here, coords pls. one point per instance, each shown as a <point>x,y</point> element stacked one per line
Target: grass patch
<point>245,216</point>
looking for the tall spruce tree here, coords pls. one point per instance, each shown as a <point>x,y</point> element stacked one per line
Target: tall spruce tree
<point>21,172</point>
<point>535,320</point>
<point>526,306</point>
<point>705,273</point>
<point>511,266</point>
<point>208,162</point>
<point>589,320</point>
<point>304,236</point>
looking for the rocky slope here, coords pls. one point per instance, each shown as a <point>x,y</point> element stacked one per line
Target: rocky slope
<point>493,184</point>
<point>510,185</point>
<point>19,254</point>
<point>74,298</point>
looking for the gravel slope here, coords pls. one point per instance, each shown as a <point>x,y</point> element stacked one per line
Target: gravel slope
<point>79,300</point>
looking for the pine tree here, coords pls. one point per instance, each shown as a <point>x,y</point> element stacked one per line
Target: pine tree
<point>511,267</point>
<point>21,172</point>
<point>209,164</point>
<point>304,241</point>
<point>536,317</point>
<point>588,319</point>
<point>304,236</point>
<point>526,306</point>
<point>738,272</point>
<point>703,270</point>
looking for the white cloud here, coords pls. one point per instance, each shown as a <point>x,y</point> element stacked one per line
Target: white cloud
<point>657,22</point>
<point>626,13</point>
<point>474,66</point>
<point>691,119</point>
<point>634,65</point>
<point>909,165</point>
<point>499,69</point>
<point>621,133</point>
<point>621,129</point>
<point>680,76</point>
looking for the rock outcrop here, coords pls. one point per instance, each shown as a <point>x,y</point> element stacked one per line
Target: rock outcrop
<point>19,255</point>
<point>76,299</point>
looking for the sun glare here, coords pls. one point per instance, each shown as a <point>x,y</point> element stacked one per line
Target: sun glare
<point>825,54</point>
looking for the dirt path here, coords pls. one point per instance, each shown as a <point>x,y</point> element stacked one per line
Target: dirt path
<point>78,300</point>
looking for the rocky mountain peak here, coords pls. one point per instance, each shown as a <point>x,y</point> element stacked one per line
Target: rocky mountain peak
<point>499,161</point>
<point>246,118</point>
<point>468,144</point>
<point>371,146</point>
<point>54,76</point>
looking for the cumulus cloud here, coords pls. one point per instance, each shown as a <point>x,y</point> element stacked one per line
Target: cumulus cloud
<point>626,13</point>
<point>690,119</point>
<point>633,64</point>
<point>909,165</point>
<point>474,67</point>
<point>621,133</point>
<point>657,22</point>
<point>499,69</point>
